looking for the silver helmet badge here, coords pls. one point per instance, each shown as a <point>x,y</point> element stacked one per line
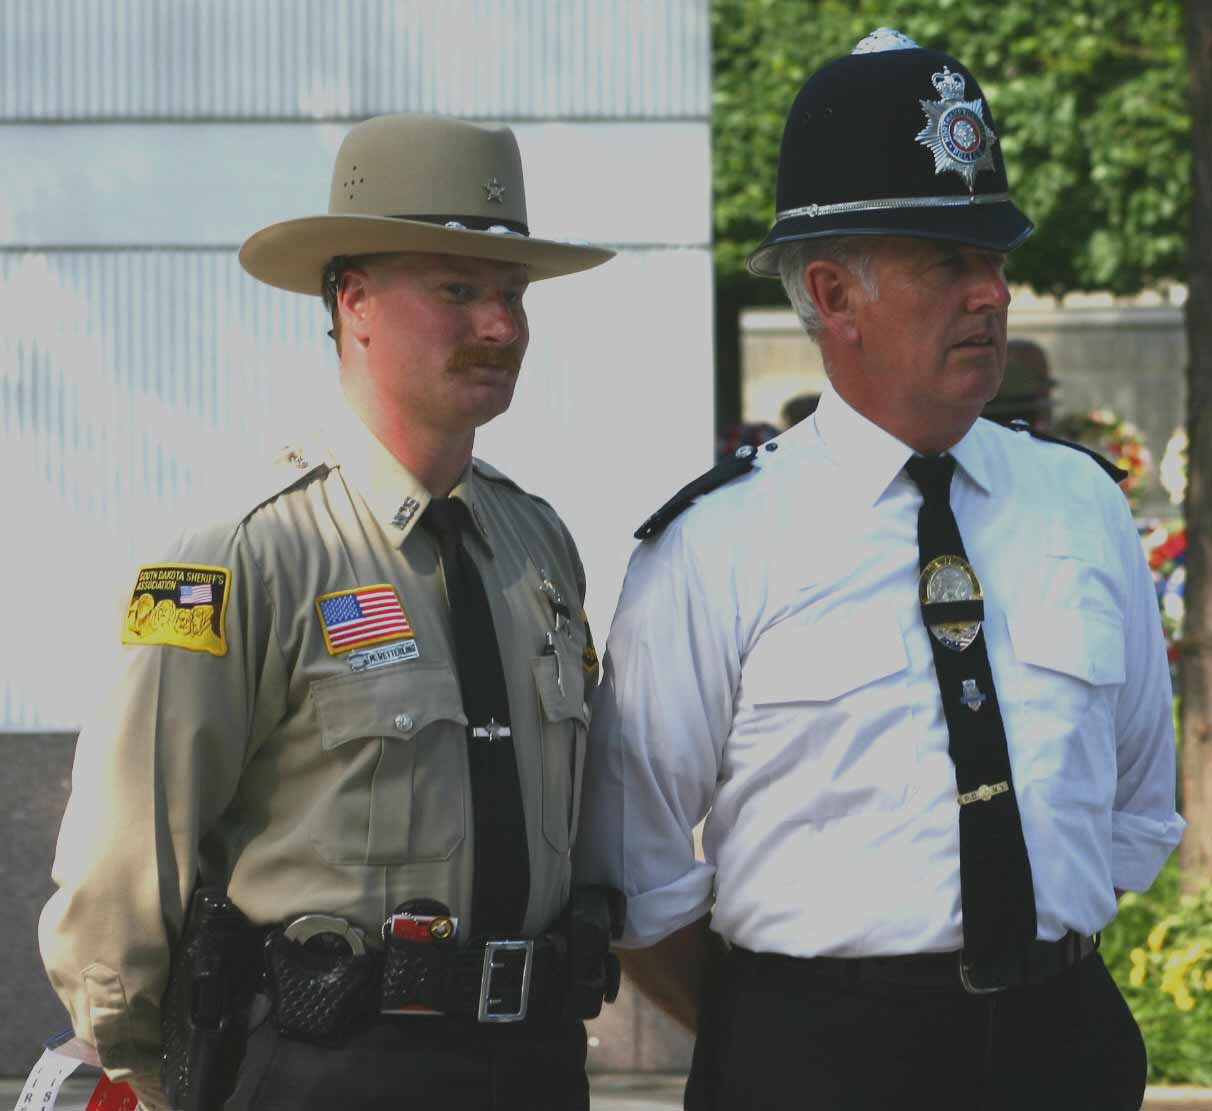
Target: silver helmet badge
<point>956,132</point>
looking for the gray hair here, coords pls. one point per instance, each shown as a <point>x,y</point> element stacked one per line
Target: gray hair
<point>852,251</point>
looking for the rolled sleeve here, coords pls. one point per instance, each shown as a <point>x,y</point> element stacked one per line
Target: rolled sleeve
<point>660,720</point>
<point>1140,846</point>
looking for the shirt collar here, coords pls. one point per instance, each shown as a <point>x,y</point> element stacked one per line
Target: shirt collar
<point>871,458</point>
<point>395,496</point>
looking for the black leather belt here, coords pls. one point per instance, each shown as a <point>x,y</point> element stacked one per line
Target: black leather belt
<point>1040,961</point>
<point>320,992</point>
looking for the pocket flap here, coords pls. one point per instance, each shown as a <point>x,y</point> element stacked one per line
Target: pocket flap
<point>389,703</point>
<point>560,704</point>
<point>1071,540</point>
<point>1087,645</point>
<point>794,662</point>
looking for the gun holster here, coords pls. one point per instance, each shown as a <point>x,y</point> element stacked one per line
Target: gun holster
<point>203,1026</point>
<point>594,916</point>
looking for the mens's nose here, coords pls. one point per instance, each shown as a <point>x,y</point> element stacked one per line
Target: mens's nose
<point>498,322</point>
<point>990,289</point>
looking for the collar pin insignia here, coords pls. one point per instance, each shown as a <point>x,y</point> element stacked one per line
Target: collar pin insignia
<point>406,513</point>
<point>956,132</point>
<point>495,191</point>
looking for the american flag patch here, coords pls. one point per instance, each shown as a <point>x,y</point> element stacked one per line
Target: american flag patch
<point>367,615</point>
<point>196,595</point>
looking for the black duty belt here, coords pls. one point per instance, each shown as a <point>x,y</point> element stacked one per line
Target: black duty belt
<point>324,979</point>
<point>1038,962</point>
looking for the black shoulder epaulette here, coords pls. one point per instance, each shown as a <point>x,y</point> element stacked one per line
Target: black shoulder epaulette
<point>732,467</point>
<point>1117,474</point>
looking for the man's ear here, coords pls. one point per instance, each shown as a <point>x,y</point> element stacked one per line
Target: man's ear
<point>354,304</point>
<point>836,293</point>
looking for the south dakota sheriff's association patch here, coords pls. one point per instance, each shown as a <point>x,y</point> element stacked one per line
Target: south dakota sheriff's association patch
<point>183,605</point>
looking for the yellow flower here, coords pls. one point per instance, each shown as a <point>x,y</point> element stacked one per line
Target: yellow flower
<point>1157,936</point>
<point>1184,1001</point>
<point>1140,967</point>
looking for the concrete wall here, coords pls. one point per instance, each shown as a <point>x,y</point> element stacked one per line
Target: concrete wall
<point>33,792</point>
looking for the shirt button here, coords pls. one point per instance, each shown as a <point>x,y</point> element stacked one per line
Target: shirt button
<point>403,722</point>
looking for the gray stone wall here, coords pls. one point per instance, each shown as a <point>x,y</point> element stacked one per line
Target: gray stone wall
<point>33,793</point>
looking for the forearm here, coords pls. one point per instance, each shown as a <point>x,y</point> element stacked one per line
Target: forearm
<point>674,973</point>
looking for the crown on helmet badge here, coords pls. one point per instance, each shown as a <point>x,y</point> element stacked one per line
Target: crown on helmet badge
<point>956,132</point>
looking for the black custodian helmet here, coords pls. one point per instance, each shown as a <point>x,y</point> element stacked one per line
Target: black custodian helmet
<point>891,139</point>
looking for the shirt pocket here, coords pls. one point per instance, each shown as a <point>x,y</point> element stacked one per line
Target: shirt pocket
<point>564,724</point>
<point>394,755</point>
<point>1074,571</point>
<point>828,715</point>
<point>1072,667</point>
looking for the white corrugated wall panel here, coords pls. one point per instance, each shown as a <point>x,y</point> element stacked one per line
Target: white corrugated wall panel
<point>138,386</point>
<point>319,59</point>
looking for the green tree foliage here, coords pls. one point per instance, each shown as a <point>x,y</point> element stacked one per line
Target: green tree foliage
<point>1090,98</point>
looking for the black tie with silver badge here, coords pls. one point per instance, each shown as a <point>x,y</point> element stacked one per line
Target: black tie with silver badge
<point>997,896</point>
<point>501,862</point>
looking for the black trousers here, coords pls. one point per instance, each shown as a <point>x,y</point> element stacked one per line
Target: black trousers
<point>420,1061</point>
<point>779,1036</point>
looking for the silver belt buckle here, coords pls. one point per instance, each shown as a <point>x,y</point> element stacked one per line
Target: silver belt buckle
<point>969,986</point>
<point>485,1013</point>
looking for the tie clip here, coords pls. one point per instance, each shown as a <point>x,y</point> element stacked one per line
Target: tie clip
<point>493,731</point>
<point>984,792</point>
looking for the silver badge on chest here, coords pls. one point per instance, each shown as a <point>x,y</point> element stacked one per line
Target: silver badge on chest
<point>944,580</point>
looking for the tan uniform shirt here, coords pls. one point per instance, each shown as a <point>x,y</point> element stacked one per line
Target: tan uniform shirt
<point>314,777</point>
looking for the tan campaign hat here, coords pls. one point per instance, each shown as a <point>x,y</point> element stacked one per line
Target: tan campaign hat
<point>411,182</point>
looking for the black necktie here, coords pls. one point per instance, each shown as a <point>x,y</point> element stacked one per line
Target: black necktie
<point>501,877</point>
<point>995,874</point>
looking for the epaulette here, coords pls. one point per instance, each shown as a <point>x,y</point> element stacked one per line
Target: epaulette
<point>490,474</point>
<point>1117,474</point>
<point>289,467</point>
<point>732,467</point>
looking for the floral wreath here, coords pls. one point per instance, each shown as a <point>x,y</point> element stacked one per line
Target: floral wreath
<point>1119,440</point>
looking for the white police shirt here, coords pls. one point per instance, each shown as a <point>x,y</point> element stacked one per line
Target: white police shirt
<point>768,668</point>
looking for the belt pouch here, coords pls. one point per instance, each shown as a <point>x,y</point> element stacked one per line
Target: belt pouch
<point>318,994</point>
<point>413,976</point>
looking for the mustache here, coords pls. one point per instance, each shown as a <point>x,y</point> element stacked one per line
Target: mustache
<point>504,358</point>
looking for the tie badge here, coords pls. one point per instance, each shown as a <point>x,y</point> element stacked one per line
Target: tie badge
<point>956,132</point>
<point>973,697</point>
<point>946,584</point>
